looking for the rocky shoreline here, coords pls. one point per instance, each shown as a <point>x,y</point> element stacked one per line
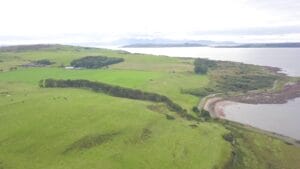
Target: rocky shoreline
<point>289,91</point>
<point>215,105</point>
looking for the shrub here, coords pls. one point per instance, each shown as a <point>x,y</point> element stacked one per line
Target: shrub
<point>229,137</point>
<point>13,68</point>
<point>43,62</point>
<point>195,109</point>
<point>204,114</point>
<point>201,66</point>
<point>169,117</point>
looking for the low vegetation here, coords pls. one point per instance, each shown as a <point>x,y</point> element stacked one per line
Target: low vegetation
<point>255,149</point>
<point>245,82</point>
<point>201,92</point>
<point>90,141</point>
<point>94,62</point>
<point>234,78</point>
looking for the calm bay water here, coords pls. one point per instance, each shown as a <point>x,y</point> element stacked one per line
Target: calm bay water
<point>279,118</point>
<point>286,58</point>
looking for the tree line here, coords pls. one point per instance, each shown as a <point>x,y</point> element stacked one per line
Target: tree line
<point>118,92</point>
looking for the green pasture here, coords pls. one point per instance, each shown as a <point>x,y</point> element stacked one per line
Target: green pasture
<point>65,128</point>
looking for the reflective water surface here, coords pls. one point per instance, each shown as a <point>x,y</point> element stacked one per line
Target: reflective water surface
<point>286,58</point>
<point>279,118</point>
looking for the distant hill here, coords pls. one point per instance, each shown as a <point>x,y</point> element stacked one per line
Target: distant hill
<point>215,45</point>
<point>36,47</point>
<point>162,45</point>
<point>26,47</point>
<point>142,43</point>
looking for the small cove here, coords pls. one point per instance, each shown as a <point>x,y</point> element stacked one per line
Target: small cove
<point>279,118</point>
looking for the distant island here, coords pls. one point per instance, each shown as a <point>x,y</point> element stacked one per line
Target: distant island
<point>214,45</point>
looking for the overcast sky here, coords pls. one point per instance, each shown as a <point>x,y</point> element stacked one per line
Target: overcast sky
<point>107,20</point>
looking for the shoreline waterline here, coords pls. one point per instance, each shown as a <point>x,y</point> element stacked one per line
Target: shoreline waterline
<point>218,109</point>
<point>283,58</point>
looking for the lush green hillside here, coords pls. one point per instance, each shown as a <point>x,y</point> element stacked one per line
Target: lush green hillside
<point>64,128</point>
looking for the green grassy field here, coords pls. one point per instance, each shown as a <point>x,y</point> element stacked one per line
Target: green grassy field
<point>74,128</point>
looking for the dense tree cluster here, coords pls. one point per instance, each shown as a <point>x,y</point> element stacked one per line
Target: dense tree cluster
<point>118,92</point>
<point>94,62</point>
<point>201,66</point>
<point>43,62</point>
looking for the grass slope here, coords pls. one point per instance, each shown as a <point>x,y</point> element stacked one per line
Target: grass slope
<point>39,125</point>
<point>74,128</point>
